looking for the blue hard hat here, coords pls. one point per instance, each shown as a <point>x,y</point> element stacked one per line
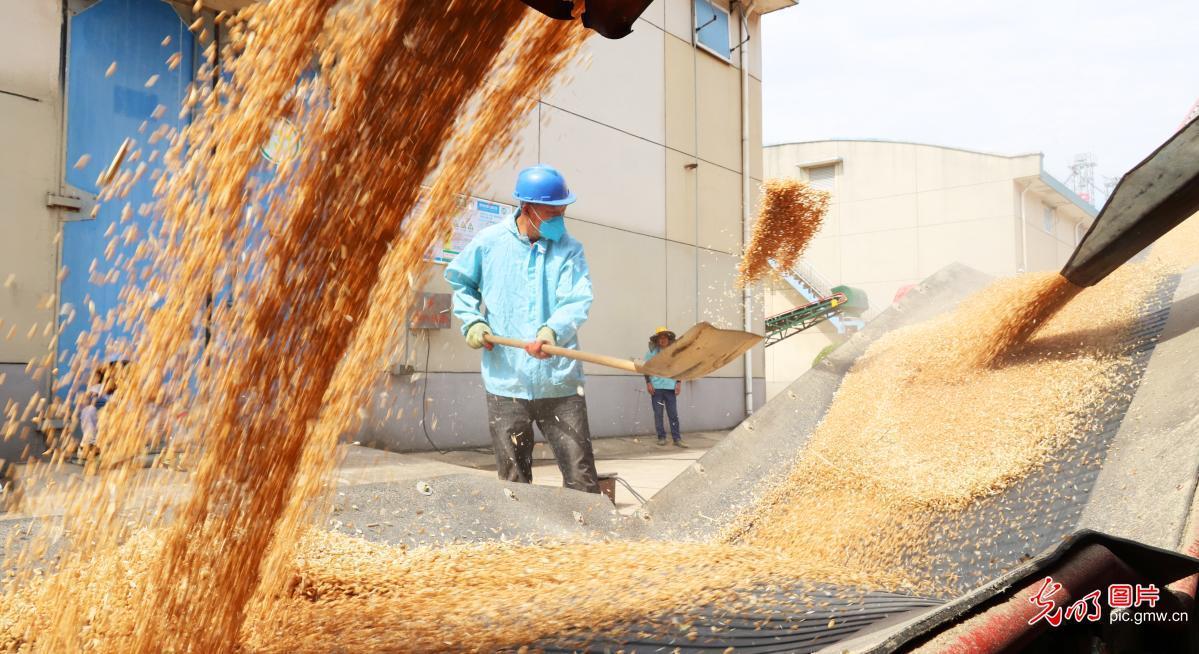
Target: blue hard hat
<point>543,184</point>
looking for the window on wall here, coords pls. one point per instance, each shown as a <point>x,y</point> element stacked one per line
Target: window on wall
<point>712,28</point>
<point>822,177</point>
<point>1047,219</point>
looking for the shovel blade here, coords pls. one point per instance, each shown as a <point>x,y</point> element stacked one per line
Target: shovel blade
<point>701,351</point>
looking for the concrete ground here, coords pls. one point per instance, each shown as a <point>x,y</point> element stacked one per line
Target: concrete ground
<point>646,466</point>
<point>639,460</point>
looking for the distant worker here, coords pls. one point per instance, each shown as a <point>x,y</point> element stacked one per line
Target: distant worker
<point>99,393</point>
<point>663,392</point>
<point>527,279</point>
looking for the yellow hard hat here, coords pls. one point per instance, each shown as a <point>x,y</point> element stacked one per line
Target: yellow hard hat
<point>663,330</point>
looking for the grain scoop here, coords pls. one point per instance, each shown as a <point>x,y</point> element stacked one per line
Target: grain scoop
<point>701,351</point>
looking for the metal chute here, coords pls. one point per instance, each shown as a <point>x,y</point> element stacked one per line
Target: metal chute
<point>1153,198</point>
<point>613,19</point>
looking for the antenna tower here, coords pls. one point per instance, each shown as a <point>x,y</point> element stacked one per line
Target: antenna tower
<point>1082,177</point>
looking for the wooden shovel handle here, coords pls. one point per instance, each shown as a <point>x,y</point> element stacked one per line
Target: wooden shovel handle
<point>600,359</point>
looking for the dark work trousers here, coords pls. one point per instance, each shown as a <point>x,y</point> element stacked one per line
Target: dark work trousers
<point>664,398</point>
<point>563,422</point>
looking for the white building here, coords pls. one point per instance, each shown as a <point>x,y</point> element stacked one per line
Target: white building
<point>901,211</point>
<point>659,136</point>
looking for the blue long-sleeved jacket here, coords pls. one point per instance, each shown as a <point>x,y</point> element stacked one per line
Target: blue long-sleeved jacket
<point>517,287</point>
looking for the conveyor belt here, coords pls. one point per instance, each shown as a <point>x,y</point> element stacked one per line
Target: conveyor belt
<point>798,619</point>
<point>789,323</point>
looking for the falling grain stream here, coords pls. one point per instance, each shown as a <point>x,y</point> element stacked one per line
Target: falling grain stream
<point>414,93</point>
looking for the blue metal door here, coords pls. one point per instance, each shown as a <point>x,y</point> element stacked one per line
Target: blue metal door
<point>116,47</point>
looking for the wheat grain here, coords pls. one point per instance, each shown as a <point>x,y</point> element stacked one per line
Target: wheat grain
<point>790,214</point>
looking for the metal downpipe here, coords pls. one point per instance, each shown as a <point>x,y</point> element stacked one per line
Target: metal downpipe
<point>746,8</point>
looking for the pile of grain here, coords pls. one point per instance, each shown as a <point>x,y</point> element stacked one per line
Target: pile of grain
<point>913,435</point>
<point>345,594</point>
<point>789,215</point>
<point>937,416</point>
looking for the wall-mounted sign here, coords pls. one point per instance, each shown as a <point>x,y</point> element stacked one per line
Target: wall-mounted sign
<point>432,311</point>
<point>475,215</point>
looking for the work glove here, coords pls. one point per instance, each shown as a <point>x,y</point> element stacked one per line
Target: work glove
<point>546,336</point>
<point>474,336</point>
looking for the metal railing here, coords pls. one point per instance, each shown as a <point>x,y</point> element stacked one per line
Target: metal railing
<point>811,277</point>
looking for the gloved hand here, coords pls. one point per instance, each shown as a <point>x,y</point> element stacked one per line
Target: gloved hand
<point>474,336</point>
<point>545,336</point>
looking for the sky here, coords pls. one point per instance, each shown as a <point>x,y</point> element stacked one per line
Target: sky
<point>1061,77</point>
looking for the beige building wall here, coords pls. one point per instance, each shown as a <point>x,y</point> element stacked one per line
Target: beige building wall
<point>30,165</point>
<point>901,211</point>
<point>647,130</point>
<point>30,127</point>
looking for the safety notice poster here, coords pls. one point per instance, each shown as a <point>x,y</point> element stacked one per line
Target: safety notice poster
<point>475,215</point>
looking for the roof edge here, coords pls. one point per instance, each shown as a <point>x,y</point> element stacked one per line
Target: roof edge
<point>769,6</point>
<point>900,142</point>
<point>1065,191</point>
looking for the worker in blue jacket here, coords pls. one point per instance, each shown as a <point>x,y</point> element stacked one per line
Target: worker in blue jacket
<point>527,279</point>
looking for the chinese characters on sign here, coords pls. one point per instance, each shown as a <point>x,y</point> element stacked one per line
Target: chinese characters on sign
<point>1087,608</point>
<point>475,215</point>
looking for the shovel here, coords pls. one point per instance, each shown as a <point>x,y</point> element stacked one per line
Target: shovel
<point>701,351</point>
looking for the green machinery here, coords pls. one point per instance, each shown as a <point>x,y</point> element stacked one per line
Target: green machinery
<point>845,300</point>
